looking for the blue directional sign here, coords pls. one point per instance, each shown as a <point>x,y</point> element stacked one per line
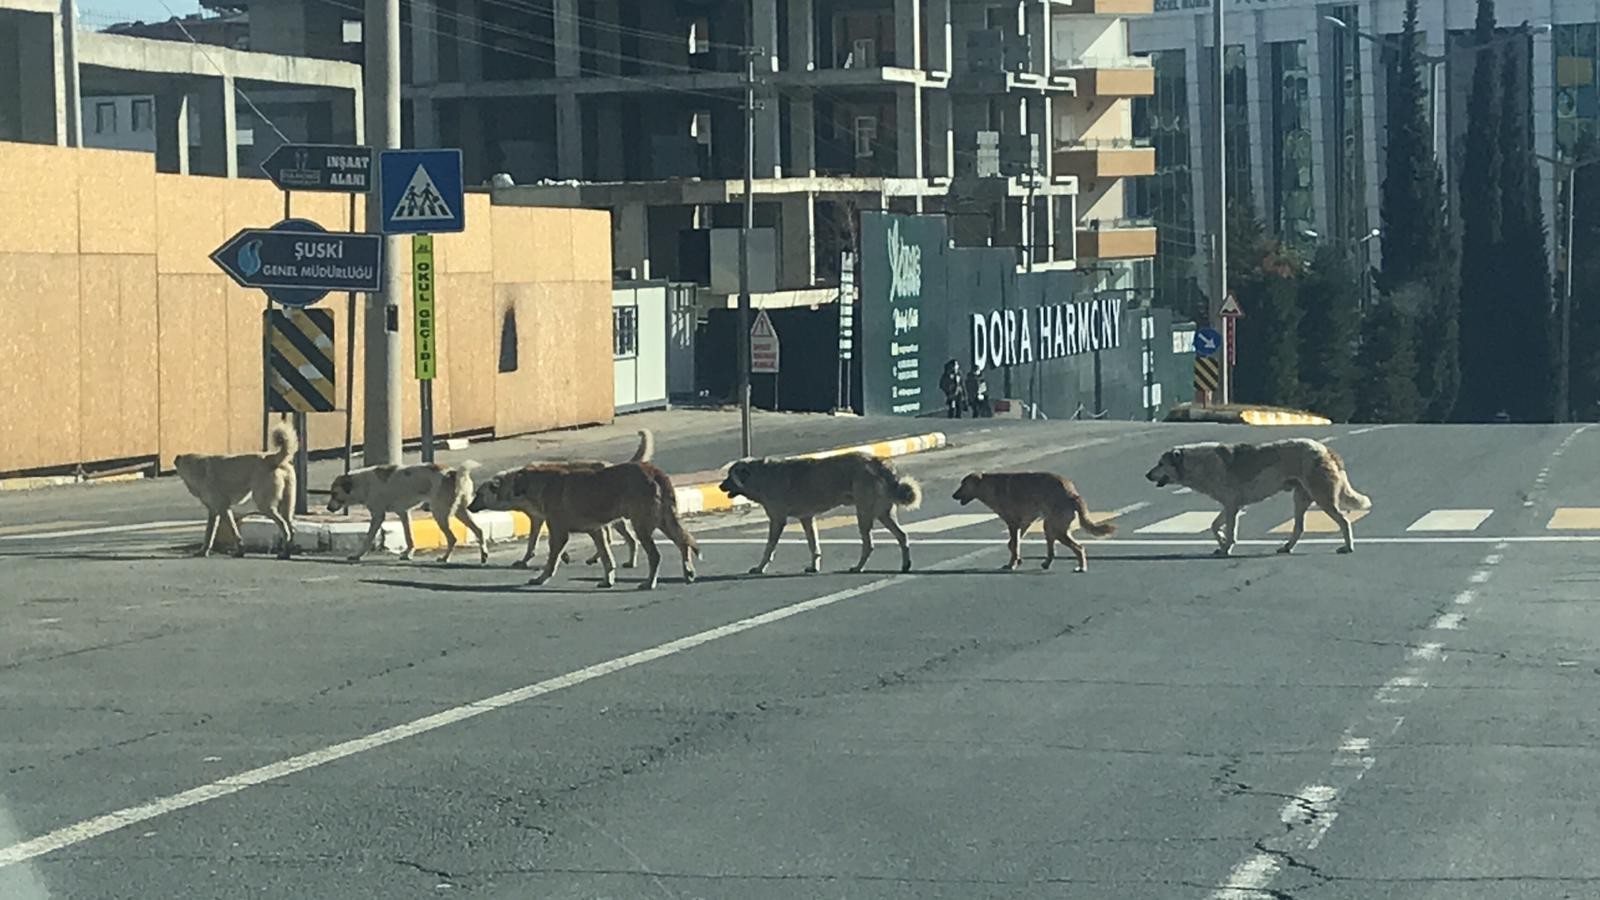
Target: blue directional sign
<point>421,192</point>
<point>297,261</point>
<point>1207,341</point>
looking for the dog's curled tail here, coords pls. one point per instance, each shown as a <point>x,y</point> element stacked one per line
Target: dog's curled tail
<point>1349,495</point>
<point>647,446</point>
<point>1098,529</point>
<point>284,443</point>
<point>907,491</point>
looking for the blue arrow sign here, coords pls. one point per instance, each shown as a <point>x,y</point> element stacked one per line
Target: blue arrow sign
<point>1207,341</point>
<point>297,261</point>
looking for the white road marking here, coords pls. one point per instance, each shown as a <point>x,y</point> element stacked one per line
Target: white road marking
<point>108,529</point>
<point>79,832</point>
<point>1249,878</point>
<point>1426,652</point>
<point>1194,522</point>
<point>1369,429</point>
<point>24,882</point>
<point>1400,689</point>
<point>945,523</point>
<point>1465,597</point>
<point>1451,520</point>
<point>1448,622</point>
<point>1478,577</point>
<point>1492,559</point>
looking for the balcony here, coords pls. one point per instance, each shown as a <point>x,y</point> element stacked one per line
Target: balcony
<point>1113,77</point>
<point>1115,158</point>
<point>1118,239</point>
<point>1104,7</point>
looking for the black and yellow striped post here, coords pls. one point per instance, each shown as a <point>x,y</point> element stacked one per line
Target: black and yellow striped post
<point>300,373</point>
<point>1207,375</point>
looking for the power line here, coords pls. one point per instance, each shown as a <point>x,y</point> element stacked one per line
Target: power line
<point>178,21</point>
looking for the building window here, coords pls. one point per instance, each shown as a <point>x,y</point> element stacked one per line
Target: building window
<point>1167,198</point>
<point>866,136</point>
<point>105,118</point>
<point>1576,49</point>
<point>700,36</point>
<point>1293,193</point>
<point>350,31</point>
<point>1348,155</point>
<point>142,115</point>
<point>624,332</point>
<point>1236,113</point>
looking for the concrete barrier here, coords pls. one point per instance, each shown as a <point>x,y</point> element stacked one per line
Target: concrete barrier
<point>1244,415</point>
<point>343,535</point>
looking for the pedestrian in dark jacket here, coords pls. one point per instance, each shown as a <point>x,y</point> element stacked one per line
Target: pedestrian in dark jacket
<point>977,391</point>
<point>954,389</point>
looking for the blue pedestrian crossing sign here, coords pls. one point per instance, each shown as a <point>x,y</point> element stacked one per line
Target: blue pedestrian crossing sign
<point>421,192</point>
<point>1207,341</point>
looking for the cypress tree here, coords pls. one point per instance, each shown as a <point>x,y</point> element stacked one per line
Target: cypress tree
<point>1482,284</point>
<point>1417,244</point>
<point>1263,275</point>
<point>1386,389</point>
<point>1585,365</point>
<point>1523,365</point>
<point>1329,325</point>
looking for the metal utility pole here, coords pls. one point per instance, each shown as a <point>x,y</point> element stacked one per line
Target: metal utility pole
<point>1563,411</point>
<point>743,342</point>
<point>73,86</point>
<point>1219,233</point>
<point>380,32</point>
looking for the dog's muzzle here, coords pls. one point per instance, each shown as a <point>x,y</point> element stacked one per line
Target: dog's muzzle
<point>729,487</point>
<point>334,506</point>
<point>1160,479</point>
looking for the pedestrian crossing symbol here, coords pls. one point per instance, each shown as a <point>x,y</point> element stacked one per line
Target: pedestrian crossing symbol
<point>421,200</point>
<point>420,192</point>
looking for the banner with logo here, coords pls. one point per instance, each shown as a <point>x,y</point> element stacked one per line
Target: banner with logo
<point>903,310</point>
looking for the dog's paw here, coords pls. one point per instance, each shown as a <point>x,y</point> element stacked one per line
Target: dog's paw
<point>1046,564</point>
<point>353,558</point>
<point>857,570</point>
<point>1221,552</point>
<point>631,564</point>
<point>538,580</point>
<point>520,564</point>
<point>609,582</point>
<point>905,566</point>
<point>1346,550</point>
<point>1286,550</point>
<point>647,586</point>
<point>812,570</point>
<point>1080,570</point>
<point>757,570</point>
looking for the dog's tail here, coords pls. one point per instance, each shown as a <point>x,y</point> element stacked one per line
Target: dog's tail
<point>903,489</point>
<point>670,525</point>
<point>1348,497</point>
<point>647,446</point>
<point>1098,529</point>
<point>284,443</point>
<point>459,478</point>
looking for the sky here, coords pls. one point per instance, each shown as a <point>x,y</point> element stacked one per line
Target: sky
<point>96,14</point>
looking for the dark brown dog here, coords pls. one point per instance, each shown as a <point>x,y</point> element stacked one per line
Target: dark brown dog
<point>1022,498</point>
<point>587,501</point>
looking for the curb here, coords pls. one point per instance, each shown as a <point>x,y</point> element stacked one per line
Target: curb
<point>49,481</point>
<point>1275,417</point>
<point>345,534</point>
<point>1244,415</point>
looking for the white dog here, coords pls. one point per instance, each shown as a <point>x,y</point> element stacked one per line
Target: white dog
<point>1237,475</point>
<point>223,482</point>
<point>400,489</point>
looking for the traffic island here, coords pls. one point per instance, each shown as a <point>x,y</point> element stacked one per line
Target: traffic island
<point>321,533</point>
<point>1236,414</point>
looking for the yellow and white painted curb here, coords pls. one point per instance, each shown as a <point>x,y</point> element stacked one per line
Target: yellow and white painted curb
<point>1279,417</point>
<point>48,481</point>
<point>345,534</point>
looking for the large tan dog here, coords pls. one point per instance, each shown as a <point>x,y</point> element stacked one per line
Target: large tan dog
<point>586,501</point>
<point>1022,498</point>
<point>804,488</point>
<point>497,494</point>
<point>398,490</point>
<point>223,482</point>
<point>1237,475</point>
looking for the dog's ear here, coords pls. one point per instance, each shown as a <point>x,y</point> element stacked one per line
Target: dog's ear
<point>1177,461</point>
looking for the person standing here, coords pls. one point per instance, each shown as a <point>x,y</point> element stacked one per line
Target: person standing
<point>977,391</point>
<point>954,390</point>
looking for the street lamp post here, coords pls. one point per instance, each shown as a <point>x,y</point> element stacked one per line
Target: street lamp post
<point>1564,363</point>
<point>1365,243</point>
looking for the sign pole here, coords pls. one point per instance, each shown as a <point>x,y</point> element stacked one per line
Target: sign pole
<point>350,365</point>
<point>426,332</point>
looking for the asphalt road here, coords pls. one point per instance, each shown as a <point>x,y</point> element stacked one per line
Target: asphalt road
<point>1414,721</point>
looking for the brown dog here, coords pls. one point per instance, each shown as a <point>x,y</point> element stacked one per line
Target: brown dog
<point>1022,498</point>
<point>575,500</point>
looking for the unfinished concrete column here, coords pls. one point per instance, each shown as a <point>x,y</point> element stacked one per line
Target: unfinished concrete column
<point>630,239</point>
<point>908,132</point>
<point>765,32</point>
<point>424,122</point>
<point>802,137</point>
<point>424,42</point>
<point>33,97</point>
<point>219,128</point>
<point>797,256</point>
<point>939,113</point>
<point>801,54</point>
<point>566,37</point>
<point>938,30</point>
<point>908,34</point>
<point>172,131</point>
<point>569,137</point>
<point>1036,19</point>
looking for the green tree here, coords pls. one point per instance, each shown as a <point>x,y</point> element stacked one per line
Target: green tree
<point>1386,389</point>
<point>1263,274</point>
<point>1523,369</point>
<point>1329,329</point>
<point>1584,369</point>
<point>1417,245</point>
<point>1481,283</point>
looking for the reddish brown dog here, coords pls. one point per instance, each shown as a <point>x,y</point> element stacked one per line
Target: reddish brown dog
<point>1022,498</point>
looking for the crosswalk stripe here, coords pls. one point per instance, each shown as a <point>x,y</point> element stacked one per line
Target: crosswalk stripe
<point>1319,522</point>
<point>1451,520</point>
<point>1193,522</point>
<point>946,523</point>
<point>1575,518</point>
<point>1038,527</point>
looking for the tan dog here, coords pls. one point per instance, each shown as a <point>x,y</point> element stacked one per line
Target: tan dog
<point>804,488</point>
<point>1237,475</point>
<point>223,482</point>
<point>586,501</point>
<point>1022,498</point>
<point>496,493</point>
<point>400,489</point>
